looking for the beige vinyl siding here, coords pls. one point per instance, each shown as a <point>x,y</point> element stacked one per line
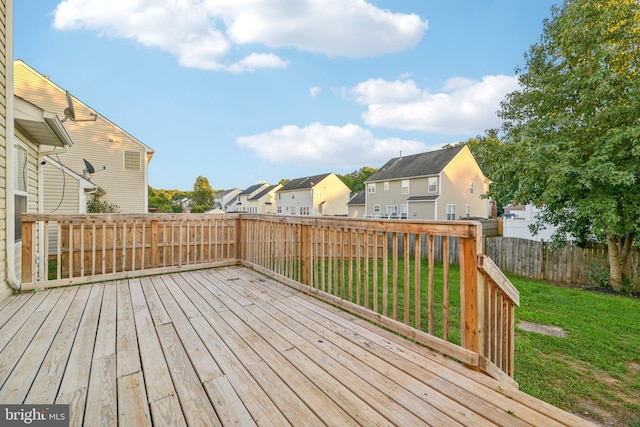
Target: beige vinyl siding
<point>5,289</point>
<point>455,180</point>
<point>100,142</point>
<point>62,193</point>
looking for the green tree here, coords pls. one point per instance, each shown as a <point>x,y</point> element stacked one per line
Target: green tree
<point>572,131</point>
<point>355,180</point>
<point>202,195</point>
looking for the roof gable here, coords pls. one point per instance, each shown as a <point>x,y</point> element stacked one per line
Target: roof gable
<point>303,183</point>
<point>423,164</point>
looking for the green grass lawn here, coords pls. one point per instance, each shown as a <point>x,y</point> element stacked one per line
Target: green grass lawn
<point>595,370</point>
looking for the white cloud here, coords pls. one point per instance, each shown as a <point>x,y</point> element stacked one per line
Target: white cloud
<point>349,146</point>
<point>202,33</point>
<point>463,106</point>
<point>314,91</point>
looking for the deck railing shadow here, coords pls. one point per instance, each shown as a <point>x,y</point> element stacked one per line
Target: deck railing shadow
<point>384,271</point>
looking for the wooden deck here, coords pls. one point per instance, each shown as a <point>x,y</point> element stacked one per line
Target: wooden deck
<point>229,347</point>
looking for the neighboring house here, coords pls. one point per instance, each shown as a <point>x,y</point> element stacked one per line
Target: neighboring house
<point>264,201</point>
<point>119,159</point>
<point>36,134</point>
<point>241,204</point>
<point>445,184</point>
<point>357,205</point>
<point>317,195</point>
<point>224,200</point>
<point>517,220</point>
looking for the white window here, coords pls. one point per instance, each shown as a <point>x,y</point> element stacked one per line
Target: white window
<point>405,186</point>
<point>279,209</point>
<point>404,211</point>
<point>432,184</point>
<point>467,210</point>
<point>471,188</point>
<point>386,185</point>
<point>371,188</point>
<point>376,209</point>
<point>318,193</point>
<point>392,211</point>
<point>20,190</point>
<point>451,212</point>
<point>304,210</point>
<point>132,161</point>
<point>293,210</point>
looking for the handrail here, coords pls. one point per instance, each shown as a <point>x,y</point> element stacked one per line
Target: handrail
<point>396,273</point>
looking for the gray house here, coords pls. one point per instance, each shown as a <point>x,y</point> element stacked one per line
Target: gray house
<point>444,184</point>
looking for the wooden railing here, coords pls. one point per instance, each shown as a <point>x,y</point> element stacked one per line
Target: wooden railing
<point>384,271</point>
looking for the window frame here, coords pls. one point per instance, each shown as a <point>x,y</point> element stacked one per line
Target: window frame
<point>451,212</point>
<point>404,189</point>
<point>371,188</point>
<point>430,184</point>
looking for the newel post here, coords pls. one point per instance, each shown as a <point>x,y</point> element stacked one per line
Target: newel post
<point>471,292</point>
<point>28,252</point>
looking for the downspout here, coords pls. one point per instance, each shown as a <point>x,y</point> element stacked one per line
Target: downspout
<point>10,234</point>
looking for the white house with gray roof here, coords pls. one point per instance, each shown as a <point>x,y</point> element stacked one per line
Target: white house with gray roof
<point>316,195</point>
<point>439,185</point>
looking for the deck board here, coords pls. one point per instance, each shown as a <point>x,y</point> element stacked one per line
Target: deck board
<point>228,346</point>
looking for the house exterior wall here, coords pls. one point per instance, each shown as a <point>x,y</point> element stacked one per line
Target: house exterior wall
<point>291,202</point>
<point>63,192</point>
<point>100,142</point>
<point>330,196</point>
<point>6,67</point>
<point>393,196</point>
<point>454,188</point>
<point>422,210</point>
<point>356,211</point>
<point>32,179</point>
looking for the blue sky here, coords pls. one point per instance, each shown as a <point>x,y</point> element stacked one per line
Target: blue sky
<point>243,91</point>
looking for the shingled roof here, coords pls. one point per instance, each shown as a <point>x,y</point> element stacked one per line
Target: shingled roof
<point>417,165</point>
<point>303,183</point>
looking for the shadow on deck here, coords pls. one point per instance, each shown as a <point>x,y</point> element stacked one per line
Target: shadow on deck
<point>228,346</point>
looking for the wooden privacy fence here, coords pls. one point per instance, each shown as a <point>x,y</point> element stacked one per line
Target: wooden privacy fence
<point>359,265</point>
<point>569,264</point>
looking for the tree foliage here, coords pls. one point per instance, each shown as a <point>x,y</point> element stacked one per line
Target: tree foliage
<point>202,195</point>
<point>572,130</point>
<point>165,200</point>
<point>95,205</point>
<point>355,180</point>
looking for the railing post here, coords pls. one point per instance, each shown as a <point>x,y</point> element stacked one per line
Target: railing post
<point>306,254</point>
<point>28,252</point>
<point>240,248</point>
<point>154,243</point>
<point>471,293</point>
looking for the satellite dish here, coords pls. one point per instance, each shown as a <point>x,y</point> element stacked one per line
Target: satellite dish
<point>89,169</point>
<point>70,112</point>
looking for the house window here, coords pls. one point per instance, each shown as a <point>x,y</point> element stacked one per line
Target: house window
<point>432,184</point>
<point>404,211</point>
<point>376,209</point>
<point>318,193</point>
<point>279,196</point>
<point>293,210</point>
<point>371,188</point>
<point>386,185</point>
<point>471,188</point>
<point>293,195</point>
<point>392,211</point>
<point>20,193</point>
<point>279,209</point>
<point>405,186</point>
<point>451,212</point>
<point>305,210</point>
<point>132,161</point>
<point>467,211</point>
